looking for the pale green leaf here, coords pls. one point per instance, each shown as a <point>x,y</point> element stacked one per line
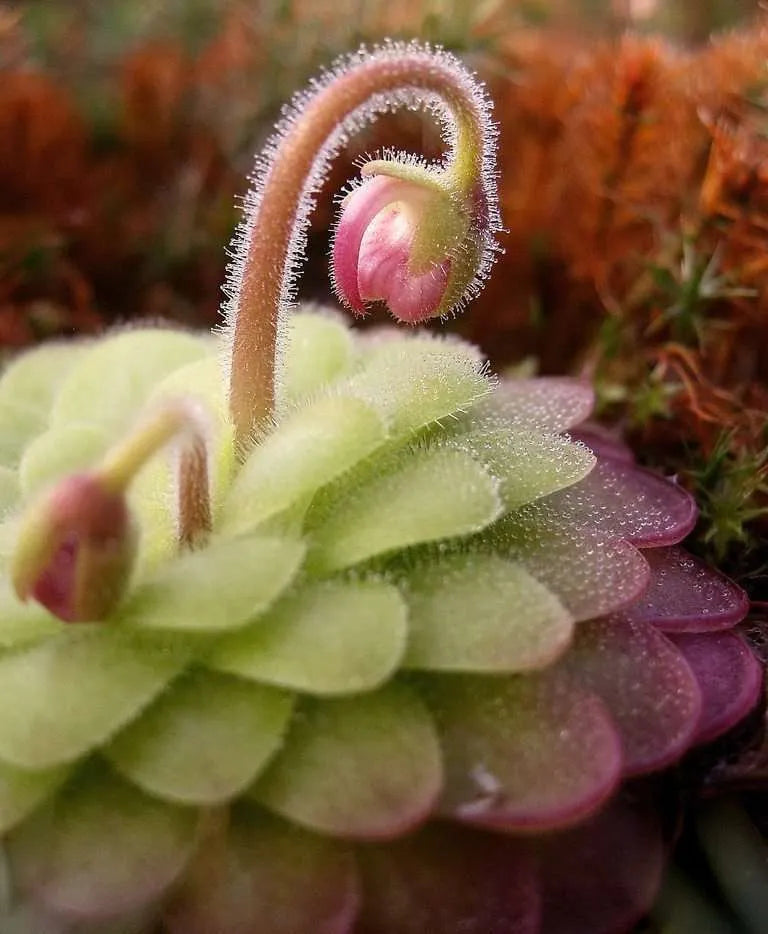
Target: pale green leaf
<point>115,376</point>
<point>331,637</point>
<point>318,349</point>
<point>311,447</point>
<point>101,848</point>
<point>34,376</point>
<point>422,495</point>
<point>27,389</point>
<point>60,451</point>
<point>367,766</point>
<point>21,791</point>
<point>484,613</point>
<point>412,387</point>
<point>528,464</point>
<point>23,622</point>
<point>71,692</point>
<point>204,740</point>
<point>10,489</point>
<point>216,588</point>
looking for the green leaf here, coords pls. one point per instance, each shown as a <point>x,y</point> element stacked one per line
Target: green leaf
<point>114,377</point>
<point>101,848</point>
<point>529,464</point>
<point>73,691</point>
<point>217,588</point>
<point>23,622</point>
<point>204,740</point>
<point>413,383</point>
<point>60,451</point>
<point>318,349</point>
<point>420,496</point>
<point>18,425</point>
<point>35,376</point>
<point>479,612</point>
<point>332,637</point>
<point>9,489</point>
<point>311,447</point>
<point>21,791</point>
<point>363,767</point>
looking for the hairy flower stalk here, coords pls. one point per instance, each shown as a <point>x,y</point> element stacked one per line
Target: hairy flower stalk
<point>293,167</point>
<point>392,628</point>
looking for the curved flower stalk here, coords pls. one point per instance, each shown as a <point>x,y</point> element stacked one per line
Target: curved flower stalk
<point>447,215</point>
<point>425,621</point>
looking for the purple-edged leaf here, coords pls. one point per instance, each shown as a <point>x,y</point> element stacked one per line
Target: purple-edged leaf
<point>602,877</point>
<point>603,442</point>
<point>686,595</point>
<point>483,613</point>
<point>260,875</point>
<point>204,740</point>
<point>448,880</point>
<point>546,403</point>
<point>528,752</point>
<point>647,686</point>
<point>365,767</point>
<point>629,502</point>
<point>729,675</point>
<point>590,572</point>
<point>100,848</point>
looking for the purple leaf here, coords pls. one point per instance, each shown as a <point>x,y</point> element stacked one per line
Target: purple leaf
<point>626,501</point>
<point>603,442</point>
<point>546,403</point>
<point>529,752</point>
<point>602,877</point>
<point>729,675</point>
<point>260,875</point>
<point>445,880</point>
<point>590,572</point>
<point>686,595</point>
<point>646,684</point>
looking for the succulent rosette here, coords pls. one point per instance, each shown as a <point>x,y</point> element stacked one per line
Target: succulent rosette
<point>375,649</point>
<point>420,599</point>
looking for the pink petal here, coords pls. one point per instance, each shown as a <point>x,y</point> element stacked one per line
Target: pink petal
<point>686,595</point>
<point>523,753</point>
<point>259,875</point>
<point>358,210</point>
<point>448,880</point>
<point>729,675</point>
<point>629,502</point>
<point>383,268</point>
<point>602,877</point>
<point>646,684</point>
<point>591,572</point>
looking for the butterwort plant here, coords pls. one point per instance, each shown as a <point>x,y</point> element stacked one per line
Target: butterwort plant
<point>310,629</point>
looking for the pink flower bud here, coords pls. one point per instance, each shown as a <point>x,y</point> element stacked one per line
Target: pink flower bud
<point>76,549</point>
<point>396,241</point>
